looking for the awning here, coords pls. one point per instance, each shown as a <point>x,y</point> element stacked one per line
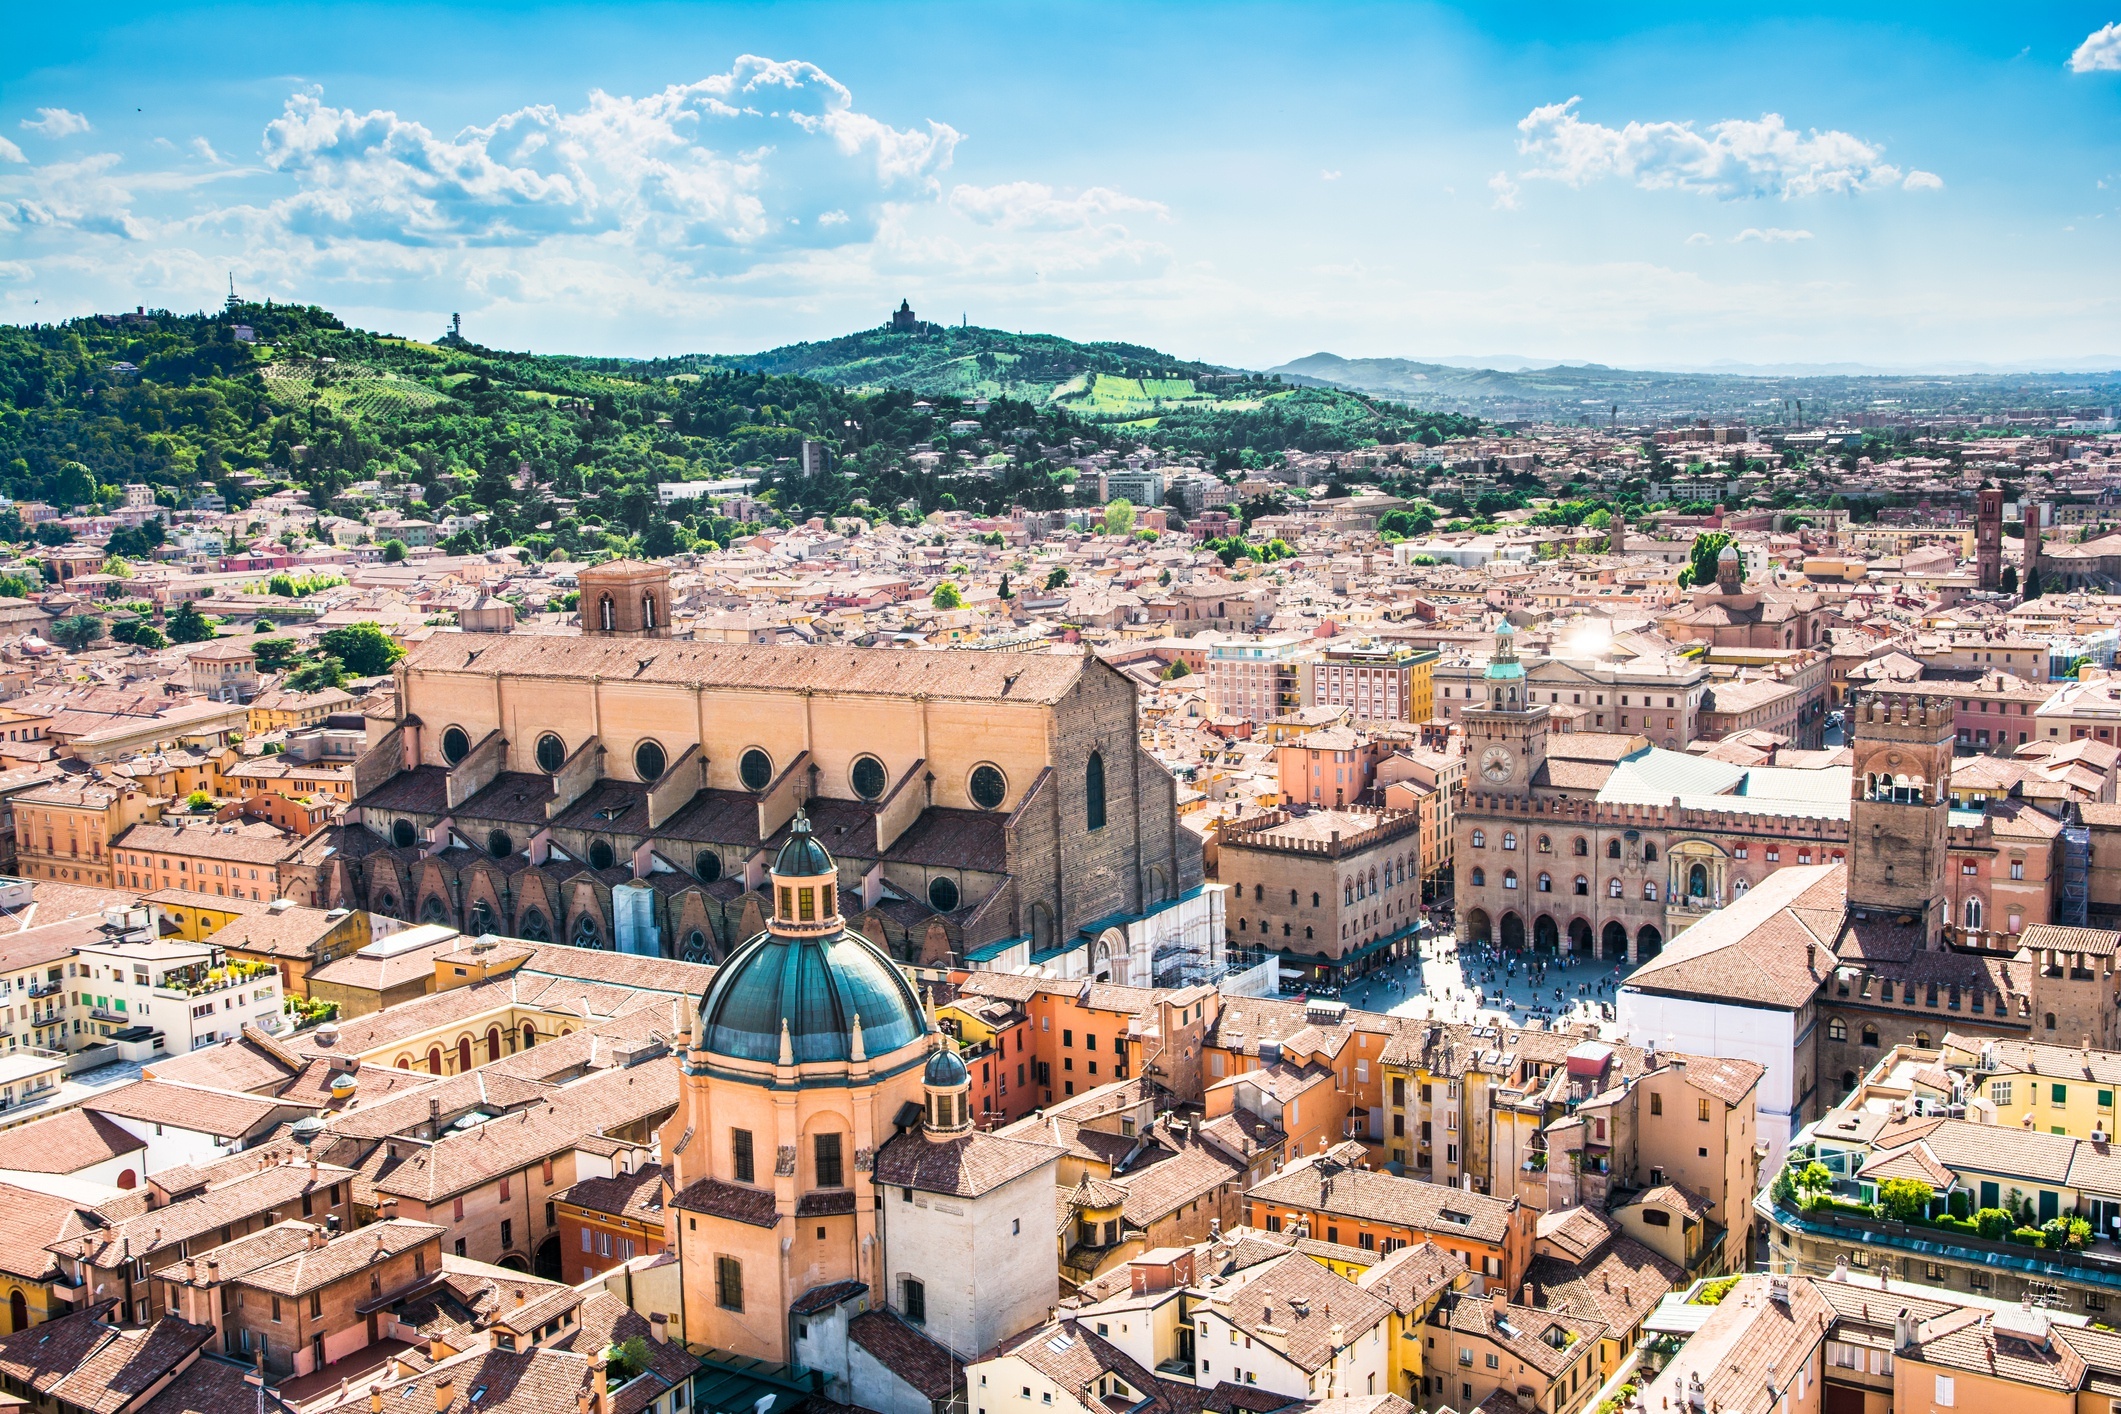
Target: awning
<point>1295,974</point>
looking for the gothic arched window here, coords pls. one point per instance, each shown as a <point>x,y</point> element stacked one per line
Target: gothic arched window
<point>1094,792</point>
<point>607,614</point>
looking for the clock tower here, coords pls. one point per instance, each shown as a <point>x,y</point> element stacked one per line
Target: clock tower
<point>1506,737</point>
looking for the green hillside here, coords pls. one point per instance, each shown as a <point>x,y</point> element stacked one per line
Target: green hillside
<point>175,402</point>
<point>1135,390</point>
<point>966,362</point>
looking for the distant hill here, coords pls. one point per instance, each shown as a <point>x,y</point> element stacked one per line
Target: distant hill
<point>1590,391</point>
<point>1181,403</point>
<point>967,362</point>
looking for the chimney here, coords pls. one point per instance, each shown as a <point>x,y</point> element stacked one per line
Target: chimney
<point>316,1238</point>
<point>437,1352</point>
<point>213,1271</point>
<point>1903,1329</point>
<point>375,1399</point>
<point>1498,1298</point>
<point>1528,1301</point>
<point>659,1327</point>
<point>445,1393</point>
<point>602,1402</point>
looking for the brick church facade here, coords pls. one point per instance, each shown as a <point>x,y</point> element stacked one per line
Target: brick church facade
<point>624,790</point>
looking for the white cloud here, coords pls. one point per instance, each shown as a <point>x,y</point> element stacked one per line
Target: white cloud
<point>205,149</point>
<point>56,123</point>
<point>2101,49</point>
<point>1505,191</point>
<point>832,218</point>
<point>1701,238</point>
<point>87,196</point>
<point>1919,180</point>
<point>1772,235</point>
<point>731,162</point>
<point>10,153</point>
<point>1026,206</point>
<point>1331,175</point>
<point>1737,157</point>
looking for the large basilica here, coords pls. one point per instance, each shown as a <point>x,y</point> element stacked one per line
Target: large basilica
<point>625,790</point>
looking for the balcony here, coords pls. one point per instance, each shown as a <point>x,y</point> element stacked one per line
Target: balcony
<point>46,989</point>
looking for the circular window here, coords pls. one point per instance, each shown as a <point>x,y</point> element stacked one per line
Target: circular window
<point>648,762</point>
<point>600,855</point>
<point>868,777</point>
<point>989,787</point>
<point>755,769</point>
<point>942,895</point>
<point>707,865</point>
<point>499,845</point>
<point>402,834</point>
<point>552,753</point>
<point>455,745</point>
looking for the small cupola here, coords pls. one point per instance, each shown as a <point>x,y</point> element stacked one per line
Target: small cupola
<point>806,885</point>
<point>948,1086</point>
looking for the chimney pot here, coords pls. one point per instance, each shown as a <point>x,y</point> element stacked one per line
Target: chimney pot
<point>375,1399</point>
<point>445,1393</point>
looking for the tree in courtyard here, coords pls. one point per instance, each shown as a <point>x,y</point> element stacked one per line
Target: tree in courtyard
<point>273,653</point>
<point>1058,578</point>
<point>1119,517</point>
<point>75,631</point>
<point>317,674</point>
<point>1701,560</point>
<point>947,596</point>
<point>365,650</point>
<point>188,625</point>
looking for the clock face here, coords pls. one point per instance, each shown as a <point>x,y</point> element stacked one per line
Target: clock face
<point>1496,764</point>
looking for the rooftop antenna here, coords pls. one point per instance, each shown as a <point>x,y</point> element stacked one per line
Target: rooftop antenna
<point>232,301</point>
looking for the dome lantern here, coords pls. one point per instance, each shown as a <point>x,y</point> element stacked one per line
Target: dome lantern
<point>806,886</point>
<point>947,1092</point>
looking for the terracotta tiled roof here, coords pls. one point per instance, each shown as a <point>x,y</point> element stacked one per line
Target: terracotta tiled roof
<point>1387,1198</point>
<point>727,1200</point>
<point>967,1166</point>
<point>1303,1302</point>
<point>908,1354</point>
<point>68,1142</point>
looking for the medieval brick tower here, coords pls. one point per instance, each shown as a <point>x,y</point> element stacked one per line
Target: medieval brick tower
<point>1988,539</point>
<point>626,599</point>
<point>1898,815</point>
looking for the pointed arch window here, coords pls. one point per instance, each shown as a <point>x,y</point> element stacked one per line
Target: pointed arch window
<point>1094,792</point>
<point>607,614</point>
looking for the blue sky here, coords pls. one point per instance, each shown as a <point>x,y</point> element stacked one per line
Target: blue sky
<point>1632,185</point>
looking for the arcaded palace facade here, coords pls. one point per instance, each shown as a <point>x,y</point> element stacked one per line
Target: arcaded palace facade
<point>1601,844</point>
<point>625,790</point>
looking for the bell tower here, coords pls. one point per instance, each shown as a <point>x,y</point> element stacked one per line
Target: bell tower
<point>625,599</point>
<point>1899,812</point>
<point>1988,538</point>
<point>1506,737</point>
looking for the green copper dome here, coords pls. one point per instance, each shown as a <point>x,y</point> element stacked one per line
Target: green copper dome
<point>819,985</point>
<point>946,1070</point>
<point>802,856</point>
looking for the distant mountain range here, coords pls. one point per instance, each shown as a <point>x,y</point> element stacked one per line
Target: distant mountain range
<point>1591,391</point>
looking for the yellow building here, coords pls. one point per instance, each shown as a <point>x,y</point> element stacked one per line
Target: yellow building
<point>280,710</point>
<point>2050,1089</point>
<point>64,830</point>
<point>33,1285</point>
